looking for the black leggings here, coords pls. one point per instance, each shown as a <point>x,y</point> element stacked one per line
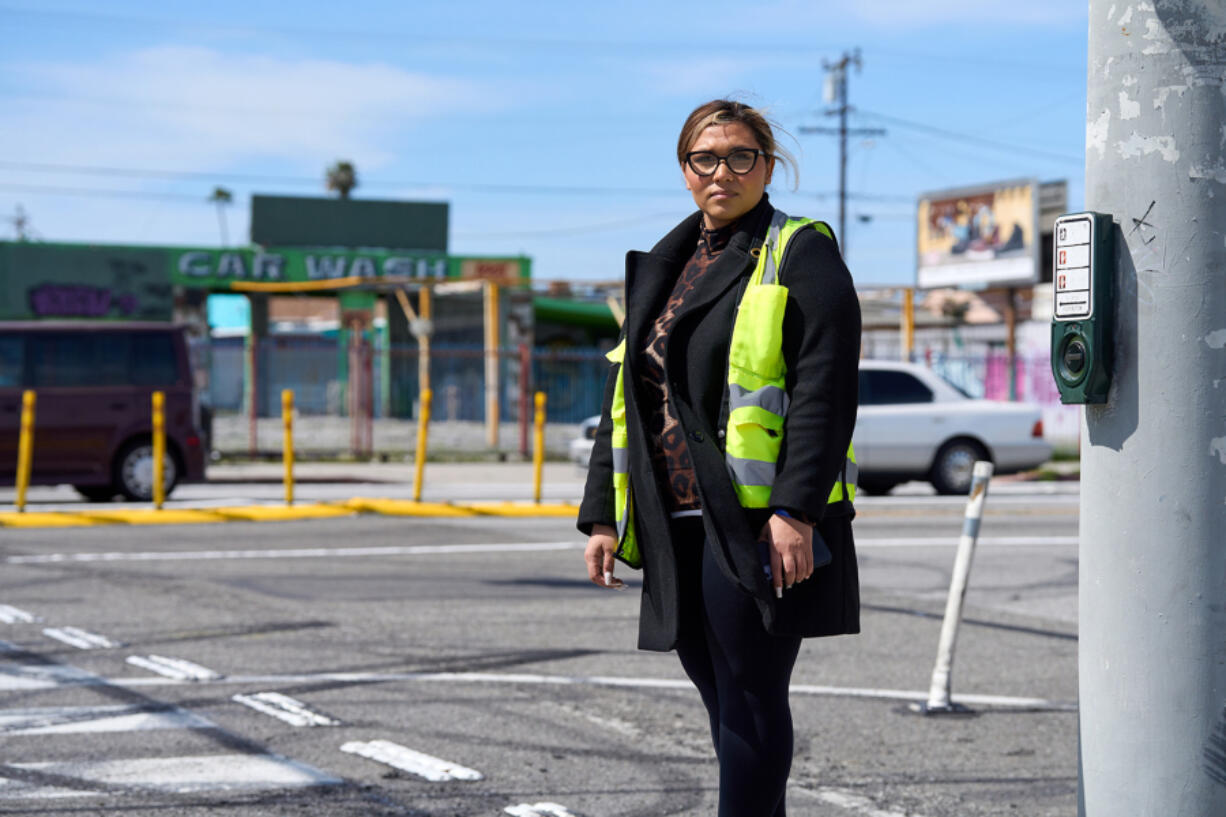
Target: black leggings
<point>742,674</point>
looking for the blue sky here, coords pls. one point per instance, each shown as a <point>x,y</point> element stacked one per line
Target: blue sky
<point>550,127</point>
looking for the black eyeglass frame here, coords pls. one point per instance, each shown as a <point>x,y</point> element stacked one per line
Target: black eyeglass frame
<point>689,160</point>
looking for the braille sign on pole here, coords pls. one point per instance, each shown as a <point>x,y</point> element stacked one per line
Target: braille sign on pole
<point>1074,295</point>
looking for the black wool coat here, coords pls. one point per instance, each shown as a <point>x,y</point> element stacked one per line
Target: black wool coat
<point>821,340</point>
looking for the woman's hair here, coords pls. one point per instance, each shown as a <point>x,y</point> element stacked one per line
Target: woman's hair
<point>724,111</point>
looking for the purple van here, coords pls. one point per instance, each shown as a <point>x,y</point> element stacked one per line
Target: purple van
<point>93,416</point>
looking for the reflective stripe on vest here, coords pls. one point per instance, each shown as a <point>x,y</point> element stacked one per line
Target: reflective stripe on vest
<point>757,399</point>
<point>627,544</point>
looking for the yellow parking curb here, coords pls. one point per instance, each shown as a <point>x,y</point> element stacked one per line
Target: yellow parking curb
<point>522,509</point>
<point>406,507</point>
<point>46,519</point>
<point>151,516</point>
<point>282,513</point>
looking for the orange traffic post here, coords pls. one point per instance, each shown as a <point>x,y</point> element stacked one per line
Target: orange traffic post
<point>538,450</point>
<point>423,424</point>
<point>25,448</point>
<point>159,449</point>
<point>287,447</point>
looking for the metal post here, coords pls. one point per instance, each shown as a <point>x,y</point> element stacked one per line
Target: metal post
<point>368,398</point>
<point>836,91</point>
<point>908,323</point>
<point>525,377</point>
<point>159,449</point>
<point>25,447</point>
<point>287,445</point>
<point>491,364</point>
<point>942,672</point>
<point>425,309</point>
<point>1011,339</point>
<point>1152,656</point>
<point>423,426</point>
<point>538,451</point>
<point>252,394</point>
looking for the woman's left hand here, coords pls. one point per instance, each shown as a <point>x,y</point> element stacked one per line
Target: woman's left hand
<point>791,551</point>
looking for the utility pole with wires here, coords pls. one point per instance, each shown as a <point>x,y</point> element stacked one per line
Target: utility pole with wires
<point>836,92</point>
<point>21,223</point>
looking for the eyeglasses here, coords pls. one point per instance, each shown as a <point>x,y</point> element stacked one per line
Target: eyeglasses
<point>739,161</point>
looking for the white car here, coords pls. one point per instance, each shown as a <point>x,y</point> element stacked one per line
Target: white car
<point>580,450</point>
<point>913,425</point>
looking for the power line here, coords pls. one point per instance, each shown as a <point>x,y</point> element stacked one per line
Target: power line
<point>406,36</point>
<point>969,138</point>
<point>92,192</point>
<point>558,232</point>
<point>403,36</point>
<point>213,177</point>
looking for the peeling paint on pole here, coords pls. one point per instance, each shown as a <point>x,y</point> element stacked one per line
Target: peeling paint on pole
<point>1153,498</point>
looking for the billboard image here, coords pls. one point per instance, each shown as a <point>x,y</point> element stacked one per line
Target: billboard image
<point>979,237</point>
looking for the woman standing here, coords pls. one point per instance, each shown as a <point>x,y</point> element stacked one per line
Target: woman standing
<point>722,462</point>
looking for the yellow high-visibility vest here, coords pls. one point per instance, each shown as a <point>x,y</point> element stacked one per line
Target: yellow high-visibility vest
<point>757,397</point>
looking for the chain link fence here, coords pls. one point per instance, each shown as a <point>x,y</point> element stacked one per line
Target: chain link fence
<point>323,371</point>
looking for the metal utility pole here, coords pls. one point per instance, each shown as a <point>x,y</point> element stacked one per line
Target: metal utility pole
<point>1153,469</point>
<point>21,223</point>
<point>836,91</point>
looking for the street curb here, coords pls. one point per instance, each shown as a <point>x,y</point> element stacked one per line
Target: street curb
<point>282,513</point>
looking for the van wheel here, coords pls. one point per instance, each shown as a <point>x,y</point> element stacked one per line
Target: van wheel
<point>953,469</point>
<point>134,471</point>
<point>96,493</point>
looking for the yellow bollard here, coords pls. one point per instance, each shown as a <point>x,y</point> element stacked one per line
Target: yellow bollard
<point>159,449</point>
<point>287,447</point>
<point>538,450</point>
<point>423,424</point>
<point>25,448</point>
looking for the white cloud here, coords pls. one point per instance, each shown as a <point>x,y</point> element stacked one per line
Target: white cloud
<point>1057,13</point>
<point>805,14</point>
<point>197,107</point>
<point>718,76</point>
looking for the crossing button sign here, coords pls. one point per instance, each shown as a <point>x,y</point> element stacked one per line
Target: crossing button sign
<point>1073,290</point>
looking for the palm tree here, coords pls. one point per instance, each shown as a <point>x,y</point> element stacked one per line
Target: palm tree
<point>222,198</point>
<point>341,177</point>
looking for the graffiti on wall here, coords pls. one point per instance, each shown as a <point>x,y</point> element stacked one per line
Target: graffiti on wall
<point>78,301</point>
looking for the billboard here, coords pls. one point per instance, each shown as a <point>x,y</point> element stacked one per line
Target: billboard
<point>979,237</point>
<point>301,221</point>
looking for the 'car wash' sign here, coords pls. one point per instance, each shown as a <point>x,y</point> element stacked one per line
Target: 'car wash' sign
<point>209,268</point>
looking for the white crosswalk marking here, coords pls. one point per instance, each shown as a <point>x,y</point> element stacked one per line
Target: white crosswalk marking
<point>285,708</point>
<point>14,615</point>
<point>42,676</point>
<point>410,760</point>
<point>81,639</point>
<point>63,720</point>
<point>180,775</point>
<point>177,668</point>
<point>184,773</point>
<point>538,810</point>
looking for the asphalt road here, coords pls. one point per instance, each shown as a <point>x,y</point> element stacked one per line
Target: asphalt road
<point>479,642</point>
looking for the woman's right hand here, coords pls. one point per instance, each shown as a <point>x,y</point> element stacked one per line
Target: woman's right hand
<point>601,546</point>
